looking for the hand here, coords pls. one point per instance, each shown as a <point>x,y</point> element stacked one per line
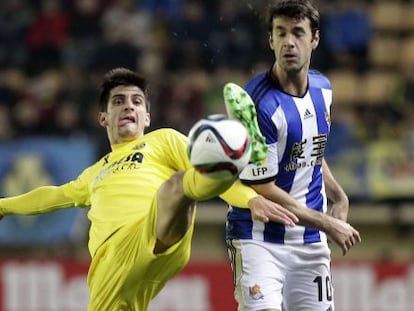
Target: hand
<point>265,210</point>
<point>343,234</point>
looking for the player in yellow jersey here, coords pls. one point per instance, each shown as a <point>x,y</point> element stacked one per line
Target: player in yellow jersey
<point>141,197</point>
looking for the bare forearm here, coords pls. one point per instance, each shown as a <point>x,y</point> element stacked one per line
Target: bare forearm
<point>334,191</point>
<point>339,202</point>
<point>306,216</point>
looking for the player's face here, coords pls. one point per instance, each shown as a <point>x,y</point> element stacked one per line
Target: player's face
<point>126,117</point>
<point>292,42</point>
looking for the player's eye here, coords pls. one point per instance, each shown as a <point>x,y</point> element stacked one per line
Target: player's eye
<point>138,100</point>
<point>118,101</point>
<point>299,34</point>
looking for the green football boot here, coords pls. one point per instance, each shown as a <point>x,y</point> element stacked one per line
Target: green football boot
<point>240,106</point>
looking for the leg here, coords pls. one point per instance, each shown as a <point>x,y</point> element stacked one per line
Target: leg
<point>176,204</point>
<point>259,273</point>
<point>125,274</point>
<point>175,213</point>
<point>309,285</point>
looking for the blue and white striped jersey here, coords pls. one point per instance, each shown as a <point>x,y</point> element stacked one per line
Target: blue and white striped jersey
<point>296,130</point>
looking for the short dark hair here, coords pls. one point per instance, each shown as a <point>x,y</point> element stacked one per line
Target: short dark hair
<point>121,76</point>
<point>299,9</point>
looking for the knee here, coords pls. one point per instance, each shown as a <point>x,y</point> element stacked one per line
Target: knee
<point>173,187</point>
<point>172,190</point>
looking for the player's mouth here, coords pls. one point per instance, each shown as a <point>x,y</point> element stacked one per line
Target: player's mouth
<point>289,57</point>
<point>126,120</point>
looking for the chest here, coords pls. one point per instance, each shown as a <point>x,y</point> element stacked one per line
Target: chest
<point>301,119</point>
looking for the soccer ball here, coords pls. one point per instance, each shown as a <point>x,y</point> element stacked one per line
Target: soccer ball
<point>219,147</point>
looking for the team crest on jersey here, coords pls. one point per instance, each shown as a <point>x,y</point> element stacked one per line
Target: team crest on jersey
<point>255,292</point>
<point>138,147</point>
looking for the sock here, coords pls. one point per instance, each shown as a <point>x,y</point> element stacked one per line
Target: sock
<point>199,187</point>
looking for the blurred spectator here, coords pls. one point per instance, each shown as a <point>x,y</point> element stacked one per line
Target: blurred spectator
<point>80,119</point>
<point>13,83</point>
<point>346,30</point>
<point>34,113</point>
<point>181,100</point>
<point>343,136</point>
<point>235,29</point>
<point>85,32</point>
<point>162,9</point>
<point>213,95</point>
<point>408,85</point>
<point>128,23</point>
<point>405,101</point>
<point>15,17</point>
<point>47,35</point>
<point>6,128</point>
<point>26,117</point>
<point>114,52</point>
<point>189,42</point>
<point>126,37</point>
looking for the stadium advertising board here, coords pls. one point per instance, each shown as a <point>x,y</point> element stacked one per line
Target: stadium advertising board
<point>37,285</point>
<point>34,162</point>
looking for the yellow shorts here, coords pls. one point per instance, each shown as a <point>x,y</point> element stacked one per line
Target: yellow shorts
<point>126,275</point>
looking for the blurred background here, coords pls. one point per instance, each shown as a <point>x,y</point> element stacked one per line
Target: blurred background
<point>53,54</point>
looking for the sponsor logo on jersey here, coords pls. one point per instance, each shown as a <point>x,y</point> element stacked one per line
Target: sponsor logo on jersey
<point>307,114</point>
<point>132,161</point>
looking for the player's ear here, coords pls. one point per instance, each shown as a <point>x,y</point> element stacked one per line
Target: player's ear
<point>270,41</point>
<point>102,119</point>
<point>147,120</point>
<point>315,40</point>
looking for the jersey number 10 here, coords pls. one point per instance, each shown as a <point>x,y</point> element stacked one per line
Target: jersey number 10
<point>328,287</point>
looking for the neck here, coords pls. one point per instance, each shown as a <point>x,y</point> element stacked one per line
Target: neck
<point>294,83</point>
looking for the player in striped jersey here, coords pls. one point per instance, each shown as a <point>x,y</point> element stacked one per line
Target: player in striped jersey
<point>276,265</point>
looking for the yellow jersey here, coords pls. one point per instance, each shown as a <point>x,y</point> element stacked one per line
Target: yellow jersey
<point>119,188</point>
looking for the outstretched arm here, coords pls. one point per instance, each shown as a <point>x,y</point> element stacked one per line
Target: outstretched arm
<point>343,234</point>
<point>265,210</point>
<point>261,208</point>
<point>38,201</point>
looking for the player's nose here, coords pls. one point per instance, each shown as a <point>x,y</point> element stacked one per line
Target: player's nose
<point>129,105</point>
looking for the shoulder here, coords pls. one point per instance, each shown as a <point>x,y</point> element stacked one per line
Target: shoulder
<point>318,80</point>
<point>166,134</point>
<point>262,88</point>
<point>265,92</point>
<point>256,82</point>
